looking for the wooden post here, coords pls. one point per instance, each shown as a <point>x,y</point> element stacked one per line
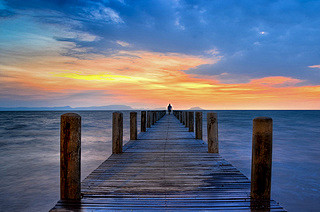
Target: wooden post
<point>70,157</point>
<point>212,132</point>
<point>133,126</point>
<point>261,158</point>
<point>187,119</point>
<point>153,117</point>
<point>117,132</point>
<point>198,125</point>
<point>148,119</point>
<point>143,121</point>
<point>191,121</point>
<point>183,118</point>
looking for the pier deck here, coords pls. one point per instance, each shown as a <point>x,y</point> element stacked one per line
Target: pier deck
<point>165,169</point>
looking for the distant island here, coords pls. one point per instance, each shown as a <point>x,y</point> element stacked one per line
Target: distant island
<point>67,108</point>
<point>196,108</point>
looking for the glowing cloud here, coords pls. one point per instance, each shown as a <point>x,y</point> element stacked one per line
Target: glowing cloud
<point>142,78</point>
<point>276,81</point>
<point>315,66</point>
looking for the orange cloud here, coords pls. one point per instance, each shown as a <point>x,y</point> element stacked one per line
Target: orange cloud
<point>276,81</point>
<point>152,79</point>
<point>315,66</point>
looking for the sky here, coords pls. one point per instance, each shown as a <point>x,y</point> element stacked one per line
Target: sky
<point>214,54</point>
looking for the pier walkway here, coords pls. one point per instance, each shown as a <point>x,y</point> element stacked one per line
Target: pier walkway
<point>165,169</point>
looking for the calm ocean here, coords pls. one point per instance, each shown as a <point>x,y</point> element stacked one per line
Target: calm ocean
<point>29,154</point>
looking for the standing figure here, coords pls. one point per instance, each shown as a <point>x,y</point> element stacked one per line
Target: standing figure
<point>169,109</point>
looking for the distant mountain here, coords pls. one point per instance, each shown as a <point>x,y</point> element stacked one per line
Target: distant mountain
<point>196,108</point>
<point>35,108</point>
<point>161,108</point>
<point>108,107</point>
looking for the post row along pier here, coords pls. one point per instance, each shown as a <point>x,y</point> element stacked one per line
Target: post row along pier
<point>166,167</point>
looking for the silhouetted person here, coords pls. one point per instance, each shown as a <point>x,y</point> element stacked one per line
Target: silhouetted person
<point>169,109</point>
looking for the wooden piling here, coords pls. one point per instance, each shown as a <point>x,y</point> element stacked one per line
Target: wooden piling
<point>212,132</point>
<point>143,121</point>
<point>261,158</point>
<point>187,119</point>
<point>183,118</point>
<point>198,125</point>
<point>191,122</point>
<point>117,132</point>
<point>70,157</point>
<point>133,126</point>
<point>148,119</point>
<point>153,117</point>
<point>167,169</point>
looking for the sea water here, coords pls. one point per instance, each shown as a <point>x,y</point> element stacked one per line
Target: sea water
<point>29,154</point>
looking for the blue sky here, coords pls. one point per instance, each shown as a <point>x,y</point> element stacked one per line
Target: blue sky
<point>247,39</point>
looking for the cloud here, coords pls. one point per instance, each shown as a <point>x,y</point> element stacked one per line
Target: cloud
<point>153,78</point>
<point>277,81</point>
<point>178,24</point>
<point>122,43</point>
<point>185,50</point>
<point>213,51</point>
<point>105,14</point>
<point>120,72</point>
<point>314,66</point>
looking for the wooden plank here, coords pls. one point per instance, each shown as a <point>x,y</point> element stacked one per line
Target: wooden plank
<point>165,169</point>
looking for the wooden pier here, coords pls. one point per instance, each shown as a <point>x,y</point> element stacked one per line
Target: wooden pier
<point>166,169</point>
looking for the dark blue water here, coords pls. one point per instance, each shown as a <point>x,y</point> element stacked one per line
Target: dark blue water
<point>29,154</point>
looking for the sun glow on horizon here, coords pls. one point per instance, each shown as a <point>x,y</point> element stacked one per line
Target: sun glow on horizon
<point>100,53</point>
<point>144,78</point>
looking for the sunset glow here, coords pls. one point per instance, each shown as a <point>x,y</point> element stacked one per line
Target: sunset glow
<point>149,78</point>
<point>45,66</point>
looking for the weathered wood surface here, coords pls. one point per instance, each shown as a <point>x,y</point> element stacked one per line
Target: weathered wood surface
<point>165,169</point>
<point>133,126</point>
<point>198,125</point>
<point>70,144</point>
